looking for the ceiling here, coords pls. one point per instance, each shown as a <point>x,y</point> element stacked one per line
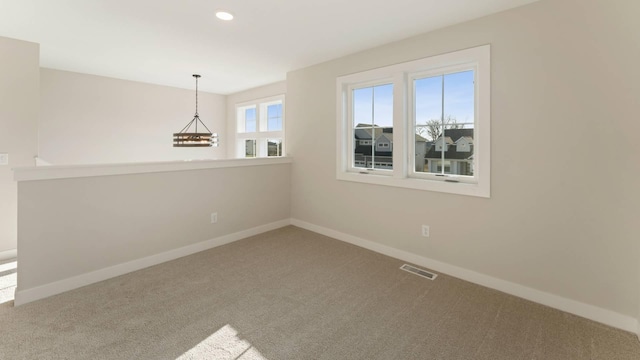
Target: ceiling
<point>165,41</point>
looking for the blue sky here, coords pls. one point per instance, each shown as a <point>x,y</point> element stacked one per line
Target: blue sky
<point>250,119</point>
<point>458,100</point>
<point>274,118</point>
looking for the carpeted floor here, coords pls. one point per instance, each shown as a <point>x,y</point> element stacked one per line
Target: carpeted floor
<point>294,294</point>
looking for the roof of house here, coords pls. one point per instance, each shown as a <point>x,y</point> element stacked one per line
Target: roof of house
<point>364,133</point>
<point>456,134</point>
<point>467,138</point>
<point>447,140</point>
<point>386,136</point>
<point>450,154</point>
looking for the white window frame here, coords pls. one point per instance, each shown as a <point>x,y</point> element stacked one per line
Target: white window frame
<point>261,135</point>
<point>402,75</point>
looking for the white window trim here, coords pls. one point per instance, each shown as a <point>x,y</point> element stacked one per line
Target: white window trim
<point>261,135</point>
<point>403,174</point>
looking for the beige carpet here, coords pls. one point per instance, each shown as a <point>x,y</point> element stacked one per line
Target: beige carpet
<point>293,294</point>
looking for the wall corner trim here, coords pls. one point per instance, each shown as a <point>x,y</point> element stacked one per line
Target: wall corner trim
<point>40,292</point>
<point>587,311</point>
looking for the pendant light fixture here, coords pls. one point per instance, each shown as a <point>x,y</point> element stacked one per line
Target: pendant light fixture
<point>185,138</point>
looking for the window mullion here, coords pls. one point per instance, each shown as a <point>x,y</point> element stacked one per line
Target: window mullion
<point>373,128</point>
<point>400,126</point>
<point>444,139</point>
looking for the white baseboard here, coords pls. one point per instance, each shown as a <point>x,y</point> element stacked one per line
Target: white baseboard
<point>8,254</point>
<point>43,291</point>
<point>591,312</point>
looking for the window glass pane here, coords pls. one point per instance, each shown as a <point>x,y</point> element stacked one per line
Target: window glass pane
<point>250,119</point>
<point>459,121</point>
<point>274,147</point>
<point>428,111</point>
<point>444,104</point>
<point>250,148</point>
<point>373,127</point>
<point>274,117</point>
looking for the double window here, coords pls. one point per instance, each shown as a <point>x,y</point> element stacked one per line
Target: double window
<point>260,128</point>
<point>422,124</point>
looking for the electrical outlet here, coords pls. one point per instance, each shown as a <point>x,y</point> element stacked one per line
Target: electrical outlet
<point>214,218</point>
<point>425,230</point>
<point>4,159</point>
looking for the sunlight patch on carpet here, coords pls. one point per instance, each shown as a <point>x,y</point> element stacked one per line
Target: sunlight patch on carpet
<point>8,281</point>
<point>224,344</point>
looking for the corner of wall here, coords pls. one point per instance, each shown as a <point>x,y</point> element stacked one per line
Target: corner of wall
<point>19,85</point>
<point>638,326</point>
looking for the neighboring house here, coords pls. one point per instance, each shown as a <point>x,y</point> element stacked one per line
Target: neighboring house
<point>368,138</point>
<point>457,145</point>
<point>464,144</point>
<point>384,142</point>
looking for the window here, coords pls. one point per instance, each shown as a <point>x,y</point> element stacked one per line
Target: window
<point>260,128</point>
<point>400,124</point>
<point>274,147</point>
<point>250,148</point>
<point>373,123</point>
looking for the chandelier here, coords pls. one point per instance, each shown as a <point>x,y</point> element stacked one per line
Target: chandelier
<point>192,138</point>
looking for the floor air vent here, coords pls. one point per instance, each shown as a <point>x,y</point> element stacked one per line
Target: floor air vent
<point>418,271</point>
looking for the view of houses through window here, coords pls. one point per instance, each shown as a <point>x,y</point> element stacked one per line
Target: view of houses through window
<point>443,120</point>
<point>373,116</point>
<point>422,124</point>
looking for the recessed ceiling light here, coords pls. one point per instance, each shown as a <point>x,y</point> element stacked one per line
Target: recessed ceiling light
<point>224,15</point>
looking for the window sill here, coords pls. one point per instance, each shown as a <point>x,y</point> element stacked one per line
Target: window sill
<point>417,184</point>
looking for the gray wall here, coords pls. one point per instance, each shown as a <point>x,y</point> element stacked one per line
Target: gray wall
<point>88,119</point>
<point>19,100</point>
<point>564,192</point>
<point>70,227</point>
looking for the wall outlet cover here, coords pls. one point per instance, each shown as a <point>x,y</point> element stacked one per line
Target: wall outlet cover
<point>425,230</point>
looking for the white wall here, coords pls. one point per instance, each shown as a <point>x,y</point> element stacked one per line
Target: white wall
<point>279,88</point>
<point>19,79</point>
<point>87,119</point>
<point>78,230</point>
<point>564,197</point>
